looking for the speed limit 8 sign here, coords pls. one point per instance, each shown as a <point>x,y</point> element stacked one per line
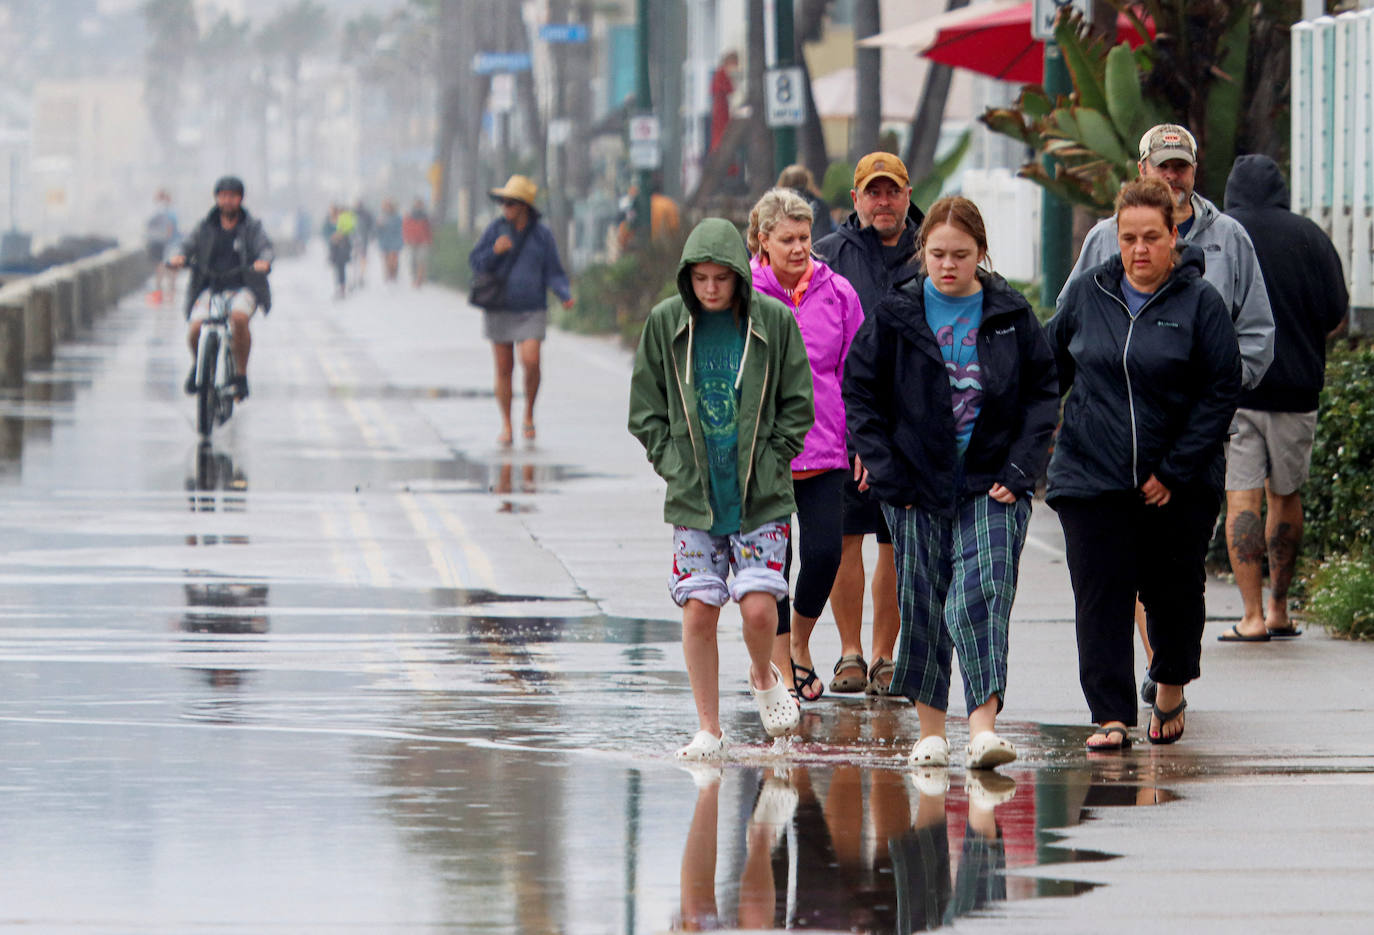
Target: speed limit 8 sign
<point>786,101</point>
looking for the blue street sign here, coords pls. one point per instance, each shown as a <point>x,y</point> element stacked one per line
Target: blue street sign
<point>563,32</point>
<point>490,63</point>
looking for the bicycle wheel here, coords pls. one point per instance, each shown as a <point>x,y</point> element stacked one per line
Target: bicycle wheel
<point>207,393</point>
<point>226,392</point>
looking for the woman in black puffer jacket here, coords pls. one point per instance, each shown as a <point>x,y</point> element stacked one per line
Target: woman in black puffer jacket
<point>1150,355</point>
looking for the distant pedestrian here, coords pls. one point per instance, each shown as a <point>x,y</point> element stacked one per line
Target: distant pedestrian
<point>419,239</point>
<point>390,239</point>
<point>722,86</point>
<point>161,233</point>
<point>365,226</point>
<point>951,395</point>
<point>1148,355</point>
<point>720,398</point>
<point>338,234</point>
<point>1270,454</point>
<point>827,310</point>
<point>799,178</point>
<point>521,248</point>
<point>869,248</point>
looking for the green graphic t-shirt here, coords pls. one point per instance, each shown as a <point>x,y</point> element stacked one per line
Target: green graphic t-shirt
<point>716,350</point>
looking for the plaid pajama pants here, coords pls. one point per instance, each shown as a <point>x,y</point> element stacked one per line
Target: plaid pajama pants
<point>956,580</point>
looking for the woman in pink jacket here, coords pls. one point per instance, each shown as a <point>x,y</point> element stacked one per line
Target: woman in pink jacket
<point>828,311</point>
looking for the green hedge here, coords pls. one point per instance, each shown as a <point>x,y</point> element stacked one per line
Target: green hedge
<point>448,263</point>
<point>1338,501</point>
<point>616,297</point>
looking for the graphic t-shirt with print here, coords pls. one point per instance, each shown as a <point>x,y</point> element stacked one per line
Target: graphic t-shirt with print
<point>717,347</point>
<point>955,321</point>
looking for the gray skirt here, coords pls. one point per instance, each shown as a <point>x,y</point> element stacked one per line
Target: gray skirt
<point>502,327</point>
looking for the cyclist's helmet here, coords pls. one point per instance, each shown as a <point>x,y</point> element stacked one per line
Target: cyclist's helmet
<point>229,183</point>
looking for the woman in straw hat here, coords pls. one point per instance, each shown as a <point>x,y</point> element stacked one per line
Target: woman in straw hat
<point>518,247</point>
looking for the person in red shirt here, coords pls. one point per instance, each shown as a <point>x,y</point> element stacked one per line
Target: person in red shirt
<point>419,238</point>
<point>722,86</point>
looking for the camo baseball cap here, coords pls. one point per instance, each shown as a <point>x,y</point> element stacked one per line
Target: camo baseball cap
<point>1168,141</point>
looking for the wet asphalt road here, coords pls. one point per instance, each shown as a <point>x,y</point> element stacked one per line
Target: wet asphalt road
<point>355,668</point>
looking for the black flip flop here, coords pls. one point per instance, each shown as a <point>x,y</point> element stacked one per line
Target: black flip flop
<point>1284,633</point>
<point>1122,743</point>
<point>1235,636</point>
<point>1164,718</point>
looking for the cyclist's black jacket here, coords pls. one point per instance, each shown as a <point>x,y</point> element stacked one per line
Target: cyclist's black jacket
<point>1151,396</point>
<point>251,243</point>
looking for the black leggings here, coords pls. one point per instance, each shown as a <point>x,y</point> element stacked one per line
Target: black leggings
<point>820,520</point>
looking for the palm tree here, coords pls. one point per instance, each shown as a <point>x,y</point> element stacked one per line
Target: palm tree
<point>288,39</point>
<point>172,37</point>
<point>868,81</point>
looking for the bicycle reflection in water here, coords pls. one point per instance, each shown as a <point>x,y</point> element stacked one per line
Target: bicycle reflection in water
<point>220,608</point>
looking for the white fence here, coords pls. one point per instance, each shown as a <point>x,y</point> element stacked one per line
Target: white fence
<point>1011,213</point>
<point>1332,108</point>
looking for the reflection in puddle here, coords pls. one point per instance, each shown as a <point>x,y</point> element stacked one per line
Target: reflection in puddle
<point>505,484</point>
<point>216,484</point>
<point>880,850</point>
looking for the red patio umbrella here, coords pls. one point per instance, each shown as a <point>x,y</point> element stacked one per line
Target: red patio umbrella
<point>1000,44</point>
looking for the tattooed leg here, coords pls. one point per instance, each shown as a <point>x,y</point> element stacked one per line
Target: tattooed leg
<point>1284,532</point>
<point>1246,546</point>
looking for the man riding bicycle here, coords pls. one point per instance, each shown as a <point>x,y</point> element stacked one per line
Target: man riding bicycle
<point>228,252</point>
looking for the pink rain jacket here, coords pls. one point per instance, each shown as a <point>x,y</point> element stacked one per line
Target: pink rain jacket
<point>829,317</point>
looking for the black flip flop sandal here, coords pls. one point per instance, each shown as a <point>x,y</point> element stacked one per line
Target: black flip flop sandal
<point>1123,741</point>
<point>1164,718</point>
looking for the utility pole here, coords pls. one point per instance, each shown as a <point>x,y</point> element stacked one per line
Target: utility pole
<point>783,55</point>
<point>644,106</point>
<point>1056,215</point>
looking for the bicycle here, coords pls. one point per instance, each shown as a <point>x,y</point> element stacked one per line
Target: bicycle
<point>215,368</point>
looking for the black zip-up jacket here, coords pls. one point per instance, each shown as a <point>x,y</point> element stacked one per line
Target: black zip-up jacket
<point>1153,395</point>
<point>856,253</point>
<point>900,411</point>
<point>1304,279</point>
<point>251,243</point>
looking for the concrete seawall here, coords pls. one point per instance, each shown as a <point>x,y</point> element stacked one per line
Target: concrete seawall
<point>38,312</point>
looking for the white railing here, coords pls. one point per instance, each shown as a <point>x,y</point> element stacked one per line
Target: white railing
<point>1332,112</point>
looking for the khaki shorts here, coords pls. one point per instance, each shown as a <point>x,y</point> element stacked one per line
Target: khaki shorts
<point>242,300</point>
<point>1276,446</point>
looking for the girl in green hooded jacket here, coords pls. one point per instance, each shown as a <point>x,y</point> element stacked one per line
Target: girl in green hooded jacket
<point>721,400</point>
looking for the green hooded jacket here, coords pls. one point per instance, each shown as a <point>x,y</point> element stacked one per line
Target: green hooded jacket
<point>774,384</point>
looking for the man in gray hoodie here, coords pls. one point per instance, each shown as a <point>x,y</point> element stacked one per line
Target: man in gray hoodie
<point>1169,152</point>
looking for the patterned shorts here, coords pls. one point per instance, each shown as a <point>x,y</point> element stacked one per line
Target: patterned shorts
<point>702,562</point>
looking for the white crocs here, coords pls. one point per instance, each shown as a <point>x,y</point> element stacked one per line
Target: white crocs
<point>778,710</point>
<point>931,781</point>
<point>776,806</point>
<point>988,751</point>
<point>929,751</point>
<point>704,746</point>
<point>988,790</point>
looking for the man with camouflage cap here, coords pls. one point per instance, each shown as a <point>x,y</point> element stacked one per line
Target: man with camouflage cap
<point>1169,152</point>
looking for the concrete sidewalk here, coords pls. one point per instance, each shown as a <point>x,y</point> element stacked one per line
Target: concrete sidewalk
<point>1274,830</point>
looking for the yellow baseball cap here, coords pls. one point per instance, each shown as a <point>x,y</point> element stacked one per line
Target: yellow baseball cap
<point>875,165</point>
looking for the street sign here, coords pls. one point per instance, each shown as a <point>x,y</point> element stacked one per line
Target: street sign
<point>563,32</point>
<point>785,104</point>
<point>1045,12</point>
<point>645,152</point>
<point>492,63</point>
<point>502,97</point>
